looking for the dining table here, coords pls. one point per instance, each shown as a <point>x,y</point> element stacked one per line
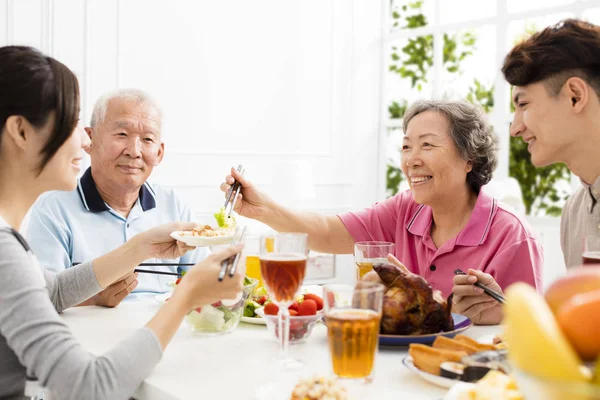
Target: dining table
<point>236,364</point>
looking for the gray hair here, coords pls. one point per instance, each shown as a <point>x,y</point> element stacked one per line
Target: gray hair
<point>473,136</point>
<point>136,95</point>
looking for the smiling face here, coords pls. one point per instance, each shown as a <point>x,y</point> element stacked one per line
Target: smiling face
<point>126,145</point>
<point>430,160</point>
<point>61,171</point>
<point>544,122</point>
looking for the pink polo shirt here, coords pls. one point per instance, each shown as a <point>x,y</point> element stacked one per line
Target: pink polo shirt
<point>494,241</point>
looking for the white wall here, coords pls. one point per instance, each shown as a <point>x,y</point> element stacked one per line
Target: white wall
<point>289,89</point>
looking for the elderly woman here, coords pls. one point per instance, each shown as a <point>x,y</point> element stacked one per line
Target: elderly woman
<point>445,221</point>
<point>40,149</point>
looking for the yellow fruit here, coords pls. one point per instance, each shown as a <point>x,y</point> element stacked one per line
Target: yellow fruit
<point>537,345</point>
<point>596,379</point>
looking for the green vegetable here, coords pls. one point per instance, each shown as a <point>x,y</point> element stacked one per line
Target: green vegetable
<point>247,281</point>
<point>250,308</point>
<point>223,221</point>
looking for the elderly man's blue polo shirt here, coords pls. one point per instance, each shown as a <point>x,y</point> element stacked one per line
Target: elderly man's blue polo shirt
<point>78,226</point>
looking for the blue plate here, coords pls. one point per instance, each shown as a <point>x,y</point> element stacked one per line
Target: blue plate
<point>461,323</point>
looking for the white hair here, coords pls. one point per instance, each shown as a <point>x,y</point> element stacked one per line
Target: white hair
<point>136,95</point>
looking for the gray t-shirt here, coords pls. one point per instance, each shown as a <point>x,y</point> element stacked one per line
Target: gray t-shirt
<point>35,341</point>
<point>580,218</point>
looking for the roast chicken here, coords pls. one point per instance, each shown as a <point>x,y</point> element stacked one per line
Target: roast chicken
<point>410,305</point>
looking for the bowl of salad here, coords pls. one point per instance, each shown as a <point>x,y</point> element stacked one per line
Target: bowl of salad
<point>220,317</point>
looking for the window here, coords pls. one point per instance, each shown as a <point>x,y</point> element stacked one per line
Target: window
<point>454,49</point>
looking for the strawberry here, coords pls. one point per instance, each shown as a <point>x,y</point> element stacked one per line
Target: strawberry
<point>271,309</point>
<point>316,298</point>
<point>199,309</point>
<point>307,307</point>
<point>293,313</point>
<point>217,304</point>
<point>294,306</point>
<point>262,300</point>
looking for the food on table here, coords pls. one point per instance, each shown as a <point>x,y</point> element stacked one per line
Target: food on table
<point>494,385</point>
<point>206,231</point>
<point>301,326</point>
<point>578,281</point>
<point>219,317</point>
<point>283,274</point>
<point>579,319</point>
<point>537,344</point>
<point>429,359</point>
<point>452,370</point>
<point>410,305</point>
<point>475,343</point>
<point>224,221</point>
<point>442,342</point>
<point>213,319</point>
<point>453,358</point>
<point>319,388</point>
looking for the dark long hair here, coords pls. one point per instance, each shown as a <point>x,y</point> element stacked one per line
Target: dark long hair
<point>35,87</point>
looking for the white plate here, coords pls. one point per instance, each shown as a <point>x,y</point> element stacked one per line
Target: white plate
<point>435,379</point>
<point>202,241</point>
<point>162,298</point>
<point>254,320</point>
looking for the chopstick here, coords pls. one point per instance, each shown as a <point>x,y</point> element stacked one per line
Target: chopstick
<point>231,263</point>
<point>495,295</point>
<point>149,271</point>
<point>234,191</point>
<point>155,264</point>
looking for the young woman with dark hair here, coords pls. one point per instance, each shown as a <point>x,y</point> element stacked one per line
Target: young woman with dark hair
<point>40,149</point>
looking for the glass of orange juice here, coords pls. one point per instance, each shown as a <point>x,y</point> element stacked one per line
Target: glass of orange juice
<point>353,315</point>
<point>250,254</point>
<point>367,254</point>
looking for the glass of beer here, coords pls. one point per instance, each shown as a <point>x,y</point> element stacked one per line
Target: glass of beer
<point>353,315</point>
<point>367,254</point>
<point>591,250</point>
<point>283,265</point>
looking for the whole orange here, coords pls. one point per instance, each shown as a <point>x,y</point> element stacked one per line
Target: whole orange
<point>579,318</point>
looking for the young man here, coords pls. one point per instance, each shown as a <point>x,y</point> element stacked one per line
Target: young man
<point>556,92</point>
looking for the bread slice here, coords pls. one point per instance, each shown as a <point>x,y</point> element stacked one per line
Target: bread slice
<point>442,342</point>
<point>429,359</point>
<point>475,343</point>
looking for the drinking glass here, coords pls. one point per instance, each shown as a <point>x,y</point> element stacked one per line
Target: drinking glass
<point>591,250</point>
<point>367,254</point>
<point>353,315</point>
<point>250,254</point>
<point>283,265</point>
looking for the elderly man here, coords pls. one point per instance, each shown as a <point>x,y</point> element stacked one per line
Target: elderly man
<point>113,201</point>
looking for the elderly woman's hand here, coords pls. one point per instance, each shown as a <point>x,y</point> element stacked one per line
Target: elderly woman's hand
<point>251,202</point>
<point>471,301</point>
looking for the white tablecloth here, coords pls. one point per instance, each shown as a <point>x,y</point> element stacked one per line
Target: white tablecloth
<point>232,366</point>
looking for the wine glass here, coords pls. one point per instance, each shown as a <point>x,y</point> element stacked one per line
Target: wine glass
<point>283,265</point>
